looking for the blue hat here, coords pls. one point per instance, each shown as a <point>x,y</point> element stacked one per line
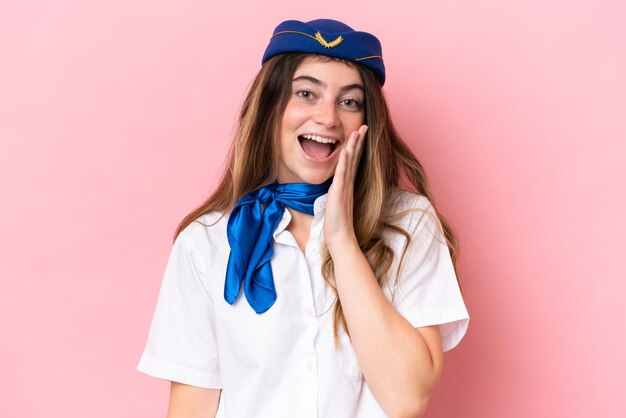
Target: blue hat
<point>327,37</point>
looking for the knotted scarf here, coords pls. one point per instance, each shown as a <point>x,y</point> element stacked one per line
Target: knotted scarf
<point>250,233</point>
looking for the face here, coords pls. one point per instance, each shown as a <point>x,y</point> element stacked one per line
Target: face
<point>325,105</point>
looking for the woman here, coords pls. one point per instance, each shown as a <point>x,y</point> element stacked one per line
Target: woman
<point>324,219</point>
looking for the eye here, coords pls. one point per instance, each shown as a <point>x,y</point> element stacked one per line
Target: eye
<point>351,103</point>
<point>305,94</point>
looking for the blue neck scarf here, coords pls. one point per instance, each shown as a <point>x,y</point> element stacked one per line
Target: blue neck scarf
<point>250,233</point>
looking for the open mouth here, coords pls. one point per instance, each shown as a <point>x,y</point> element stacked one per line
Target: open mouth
<point>318,147</point>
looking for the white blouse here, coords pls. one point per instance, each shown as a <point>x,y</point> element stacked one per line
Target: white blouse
<point>283,363</point>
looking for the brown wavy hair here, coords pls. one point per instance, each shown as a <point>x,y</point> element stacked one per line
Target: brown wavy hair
<point>386,163</point>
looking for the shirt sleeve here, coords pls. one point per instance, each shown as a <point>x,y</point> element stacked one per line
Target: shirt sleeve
<point>427,292</point>
<point>182,345</point>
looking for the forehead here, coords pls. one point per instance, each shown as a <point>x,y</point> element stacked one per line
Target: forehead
<point>328,71</point>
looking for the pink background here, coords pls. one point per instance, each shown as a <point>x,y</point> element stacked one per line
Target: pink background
<point>114,120</point>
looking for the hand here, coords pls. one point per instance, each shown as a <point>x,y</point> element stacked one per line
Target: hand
<point>338,219</point>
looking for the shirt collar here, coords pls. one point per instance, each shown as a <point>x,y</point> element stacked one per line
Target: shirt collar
<point>319,208</point>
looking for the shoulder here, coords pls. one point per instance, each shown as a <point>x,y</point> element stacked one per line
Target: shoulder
<point>404,199</point>
<point>205,232</point>
<point>411,217</point>
<point>203,243</point>
<point>407,209</point>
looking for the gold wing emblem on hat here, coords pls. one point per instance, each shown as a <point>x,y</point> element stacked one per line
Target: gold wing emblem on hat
<point>327,44</point>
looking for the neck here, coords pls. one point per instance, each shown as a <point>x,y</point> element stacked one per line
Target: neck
<point>299,218</point>
<point>300,227</point>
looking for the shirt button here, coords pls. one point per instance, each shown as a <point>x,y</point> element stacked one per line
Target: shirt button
<point>309,365</point>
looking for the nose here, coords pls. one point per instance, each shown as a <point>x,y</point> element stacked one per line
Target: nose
<point>326,114</point>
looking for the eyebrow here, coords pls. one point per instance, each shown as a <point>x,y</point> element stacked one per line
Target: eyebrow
<point>322,84</point>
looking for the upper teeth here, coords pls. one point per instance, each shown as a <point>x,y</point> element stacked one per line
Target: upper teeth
<point>320,139</point>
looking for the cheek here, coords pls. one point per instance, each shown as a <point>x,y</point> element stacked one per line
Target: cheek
<point>353,121</point>
<point>294,116</point>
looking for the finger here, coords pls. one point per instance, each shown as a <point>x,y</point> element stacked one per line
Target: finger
<point>354,149</point>
<point>363,132</point>
<point>349,151</point>
<point>340,171</point>
<point>358,150</point>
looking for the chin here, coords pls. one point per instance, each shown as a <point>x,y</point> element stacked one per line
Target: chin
<point>310,178</point>
<point>296,171</point>
<point>316,178</point>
